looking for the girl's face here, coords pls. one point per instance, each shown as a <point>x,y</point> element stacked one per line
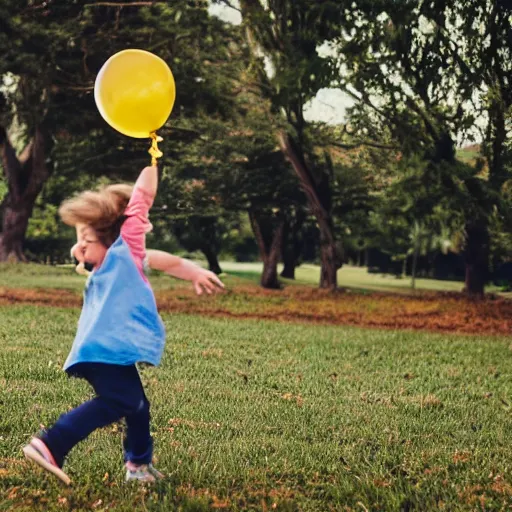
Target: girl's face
<point>92,249</point>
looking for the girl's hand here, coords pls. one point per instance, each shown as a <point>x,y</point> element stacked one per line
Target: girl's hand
<point>205,280</point>
<point>78,252</point>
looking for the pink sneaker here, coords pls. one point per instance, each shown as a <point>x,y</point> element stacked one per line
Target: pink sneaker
<point>39,453</point>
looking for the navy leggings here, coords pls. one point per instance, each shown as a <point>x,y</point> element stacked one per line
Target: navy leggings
<point>119,394</point>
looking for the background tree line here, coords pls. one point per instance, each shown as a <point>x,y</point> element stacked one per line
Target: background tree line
<point>245,175</point>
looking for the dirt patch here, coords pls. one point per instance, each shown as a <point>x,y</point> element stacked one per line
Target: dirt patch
<point>443,312</point>
<point>53,297</point>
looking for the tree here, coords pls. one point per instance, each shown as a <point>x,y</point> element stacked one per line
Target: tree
<point>292,241</point>
<point>187,208</point>
<point>40,79</point>
<point>420,73</point>
<point>50,99</point>
<point>25,176</point>
<point>265,188</point>
<point>200,233</point>
<point>288,71</point>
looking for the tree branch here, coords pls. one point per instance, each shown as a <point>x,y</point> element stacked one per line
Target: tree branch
<point>227,3</point>
<point>456,52</point>
<point>366,100</point>
<point>361,143</point>
<point>258,234</point>
<point>123,4</point>
<point>26,153</point>
<point>308,185</point>
<point>429,123</point>
<point>57,88</point>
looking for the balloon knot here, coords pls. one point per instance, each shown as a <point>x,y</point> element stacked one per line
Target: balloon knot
<point>153,150</point>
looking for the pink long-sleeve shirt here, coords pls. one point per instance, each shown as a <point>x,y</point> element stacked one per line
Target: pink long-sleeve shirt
<point>137,224</point>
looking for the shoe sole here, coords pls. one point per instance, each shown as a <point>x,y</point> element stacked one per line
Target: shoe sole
<point>33,455</point>
<point>144,480</point>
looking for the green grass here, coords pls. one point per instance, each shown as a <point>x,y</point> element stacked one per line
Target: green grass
<point>41,276</point>
<point>252,415</point>
<point>349,277</point>
<point>60,277</point>
<point>31,275</point>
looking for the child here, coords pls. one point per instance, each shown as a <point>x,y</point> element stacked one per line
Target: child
<point>202,279</point>
<point>119,326</point>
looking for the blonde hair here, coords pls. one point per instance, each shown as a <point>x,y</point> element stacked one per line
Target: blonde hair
<point>102,210</point>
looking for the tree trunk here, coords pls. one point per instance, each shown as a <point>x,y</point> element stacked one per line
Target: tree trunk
<point>15,219</point>
<point>289,265</point>
<point>292,244</point>
<point>330,253</point>
<point>359,259</point>
<point>476,255</point>
<point>25,176</point>
<point>414,265</point>
<point>211,257</point>
<point>330,265</point>
<point>269,244</point>
<point>289,256</point>
<point>269,277</point>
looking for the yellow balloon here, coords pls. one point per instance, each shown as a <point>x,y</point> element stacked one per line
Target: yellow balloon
<point>135,92</point>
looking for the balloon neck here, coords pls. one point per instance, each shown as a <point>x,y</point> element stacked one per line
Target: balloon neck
<point>153,150</point>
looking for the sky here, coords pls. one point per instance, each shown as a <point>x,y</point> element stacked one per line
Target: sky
<point>328,106</point>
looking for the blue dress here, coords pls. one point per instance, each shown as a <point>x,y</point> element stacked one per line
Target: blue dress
<point>119,323</point>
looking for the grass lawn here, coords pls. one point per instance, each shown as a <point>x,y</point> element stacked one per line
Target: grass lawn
<point>351,277</point>
<point>255,415</point>
<point>355,278</point>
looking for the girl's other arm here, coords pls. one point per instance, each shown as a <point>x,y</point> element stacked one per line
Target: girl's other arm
<point>202,279</point>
